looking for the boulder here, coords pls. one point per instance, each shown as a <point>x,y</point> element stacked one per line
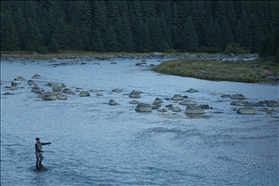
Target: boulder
<point>135,94</point>
<point>116,90</point>
<point>226,96</point>
<point>112,102</point>
<point>96,90</point>
<point>36,76</point>
<point>176,109</point>
<point>193,109</point>
<point>169,106</point>
<point>247,110</point>
<point>157,101</point>
<point>188,102</point>
<point>8,93</point>
<point>56,89</point>
<point>191,90</point>
<point>177,97</point>
<point>155,107</point>
<point>48,96</point>
<point>237,96</point>
<point>142,107</point>
<point>84,94</point>
<point>19,78</point>
<point>162,110</point>
<point>68,91</point>
<point>113,62</point>
<point>52,84</point>
<point>36,89</point>
<point>239,103</point>
<point>61,97</point>
<point>133,102</point>
<point>204,106</point>
<point>13,87</point>
<point>272,103</point>
<point>31,82</point>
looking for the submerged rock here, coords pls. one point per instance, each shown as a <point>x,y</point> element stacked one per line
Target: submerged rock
<point>237,96</point>
<point>133,102</point>
<point>142,107</point>
<point>84,94</point>
<point>176,109</point>
<point>68,91</point>
<point>272,103</point>
<point>157,101</point>
<point>177,97</point>
<point>191,90</point>
<point>36,76</point>
<point>112,102</point>
<point>48,96</point>
<point>19,78</point>
<point>193,109</point>
<point>239,103</point>
<point>188,102</point>
<point>135,94</point>
<point>36,89</point>
<point>246,110</point>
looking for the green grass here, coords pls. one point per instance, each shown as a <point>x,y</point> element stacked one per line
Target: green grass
<point>219,70</point>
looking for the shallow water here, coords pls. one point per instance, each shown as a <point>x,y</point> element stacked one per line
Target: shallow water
<point>94,143</point>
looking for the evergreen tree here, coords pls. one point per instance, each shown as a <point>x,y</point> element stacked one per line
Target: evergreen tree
<point>142,38</point>
<point>110,40</point>
<point>189,39</point>
<point>53,46</point>
<point>156,39</point>
<point>124,35</point>
<point>227,36</point>
<point>97,42</point>
<point>20,26</point>
<point>9,35</point>
<point>210,37</point>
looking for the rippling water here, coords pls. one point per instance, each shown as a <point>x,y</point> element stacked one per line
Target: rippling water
<point>98,144</point>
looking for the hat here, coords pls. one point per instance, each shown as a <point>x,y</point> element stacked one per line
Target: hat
<point>37,139</point>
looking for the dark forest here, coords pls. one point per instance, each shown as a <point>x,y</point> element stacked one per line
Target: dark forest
<point>140,26</point>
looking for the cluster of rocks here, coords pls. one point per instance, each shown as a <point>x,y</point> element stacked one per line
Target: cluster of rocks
<point>61,92</point>
<point>248,107</point>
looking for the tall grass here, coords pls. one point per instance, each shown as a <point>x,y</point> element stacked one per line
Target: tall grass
<point>219,70</point>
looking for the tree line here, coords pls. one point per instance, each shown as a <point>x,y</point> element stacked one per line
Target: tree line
<point>140,26</point>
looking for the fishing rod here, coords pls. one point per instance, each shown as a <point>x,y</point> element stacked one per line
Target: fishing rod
<point>61,138</point>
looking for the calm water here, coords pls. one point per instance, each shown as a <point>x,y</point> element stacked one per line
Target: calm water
<point>98,144</point>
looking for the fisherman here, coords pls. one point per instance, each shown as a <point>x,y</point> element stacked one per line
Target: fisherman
<point>38,151</point>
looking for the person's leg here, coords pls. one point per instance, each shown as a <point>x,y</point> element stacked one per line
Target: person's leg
<point>37,160</point>
<point>41,159</point>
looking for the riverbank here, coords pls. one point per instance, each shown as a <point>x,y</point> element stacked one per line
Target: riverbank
<point>218,67</point>
<point>249,71</point>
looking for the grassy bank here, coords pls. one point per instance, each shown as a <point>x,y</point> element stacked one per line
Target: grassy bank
<point>237,71</point>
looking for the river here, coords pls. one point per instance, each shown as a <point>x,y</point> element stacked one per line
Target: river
<point>94,143</point>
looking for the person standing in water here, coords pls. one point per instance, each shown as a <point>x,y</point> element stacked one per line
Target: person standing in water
<point>38,151</point>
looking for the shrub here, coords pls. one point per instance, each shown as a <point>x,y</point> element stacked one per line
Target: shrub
<point>277,56</point>
<point>235,48</point>
<point>42,50</point>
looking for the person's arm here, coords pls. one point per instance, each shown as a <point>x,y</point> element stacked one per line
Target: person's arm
<point>48,143</point>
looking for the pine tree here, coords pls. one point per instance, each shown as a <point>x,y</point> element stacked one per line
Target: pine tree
<point>9,35</point>
<point>189,39</point>
<point>156,39</point>
<point>124,35</point>
<point>20,26</point>
<point>227,36</point>
<point>110,40</point>
<point>53,46</point>
<point>97,42</point>
<point>142,38</point>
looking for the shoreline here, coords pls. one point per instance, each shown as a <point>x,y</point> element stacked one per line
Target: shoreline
<point>247,68</point>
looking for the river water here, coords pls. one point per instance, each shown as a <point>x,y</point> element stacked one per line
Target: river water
<point>94,143</point>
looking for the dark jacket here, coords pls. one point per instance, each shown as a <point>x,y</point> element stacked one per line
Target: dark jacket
<point>38,146</point>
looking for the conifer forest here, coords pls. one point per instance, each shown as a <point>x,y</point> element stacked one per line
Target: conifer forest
<point>140,26</point>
